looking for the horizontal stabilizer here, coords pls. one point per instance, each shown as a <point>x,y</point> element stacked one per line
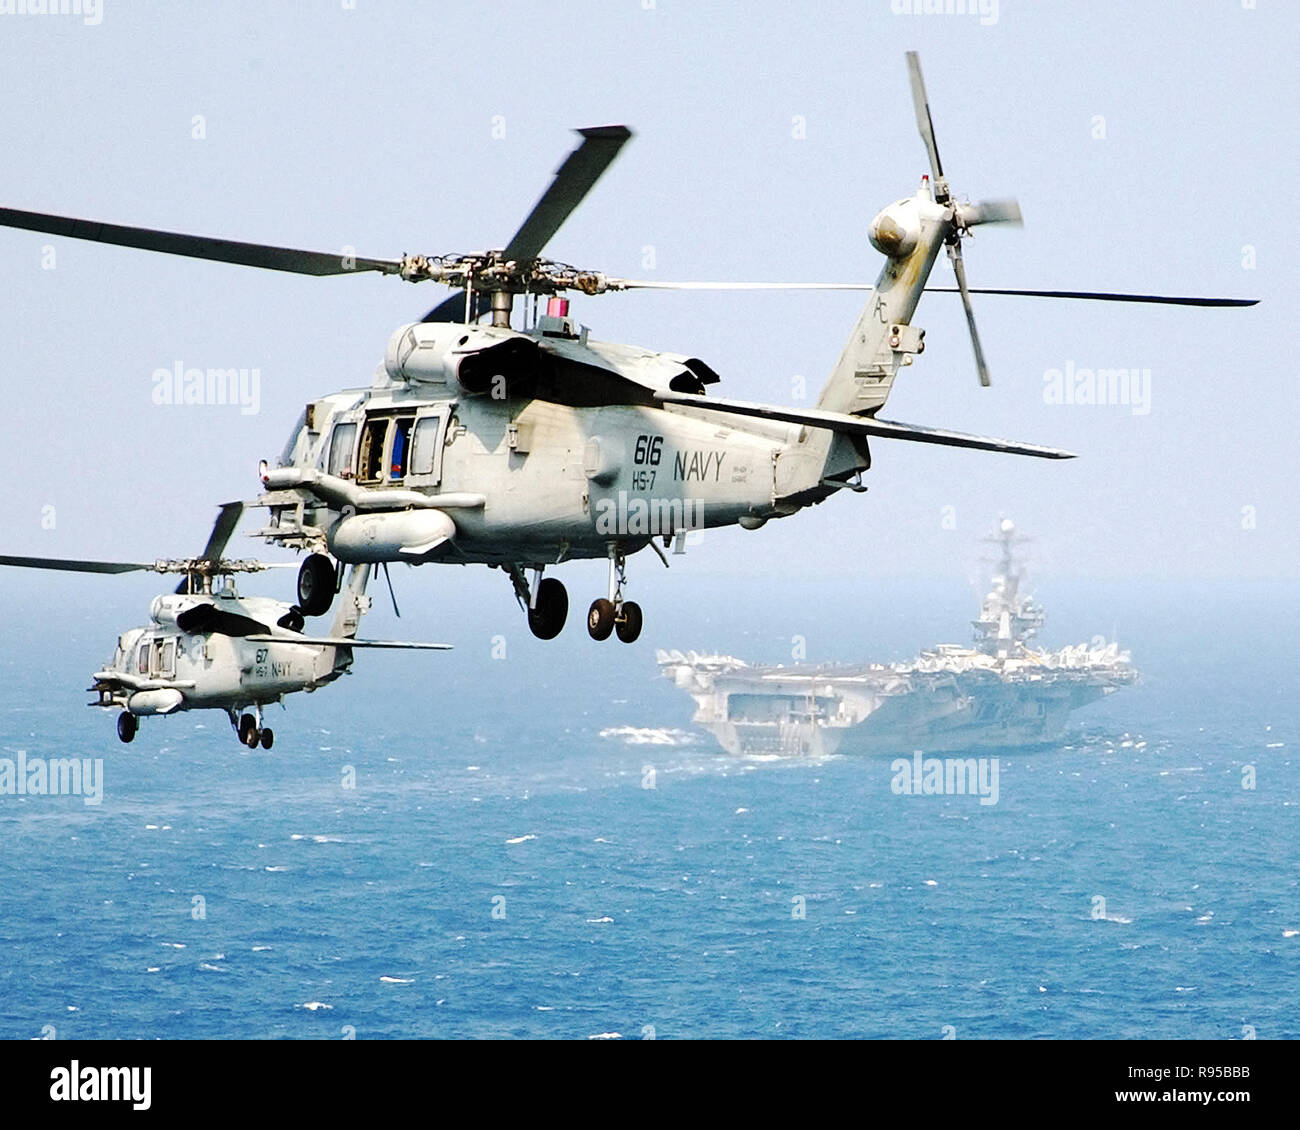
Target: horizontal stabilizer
<point>861,425</point>
<point>348,641</point>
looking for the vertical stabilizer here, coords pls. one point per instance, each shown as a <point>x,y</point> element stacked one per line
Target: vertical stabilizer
<point>353,602</point>
<point>909,234</point>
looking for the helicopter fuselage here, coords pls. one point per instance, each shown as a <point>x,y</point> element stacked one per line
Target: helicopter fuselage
<point>437,463</point>
<point>163,669</point>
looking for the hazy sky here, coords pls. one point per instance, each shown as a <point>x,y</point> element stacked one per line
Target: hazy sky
<point>1152,148</point>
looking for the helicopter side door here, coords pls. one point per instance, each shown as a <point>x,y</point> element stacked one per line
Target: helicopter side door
<point>391,443</point>
<point>343,442</point>
<point>163,665</point>
<point>424,466</point>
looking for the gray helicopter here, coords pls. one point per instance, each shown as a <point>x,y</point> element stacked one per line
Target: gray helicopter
<point>208,648</point>
<point>522,448</point>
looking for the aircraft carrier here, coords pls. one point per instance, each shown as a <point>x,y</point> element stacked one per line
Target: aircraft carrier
<point>999,692</point>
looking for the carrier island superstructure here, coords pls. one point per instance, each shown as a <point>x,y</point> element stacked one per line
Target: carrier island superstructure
<point>999,692</point>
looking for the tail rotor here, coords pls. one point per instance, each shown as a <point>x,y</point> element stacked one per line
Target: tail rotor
<point>963,216</point>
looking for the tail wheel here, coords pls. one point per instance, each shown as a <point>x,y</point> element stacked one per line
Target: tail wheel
<point>127,724</point>
<point>600,619</point>
<point>628,625</point>
<point>267,738</point>
<point>317,580</point>
<point>248,730</point>
<point>550,609</point>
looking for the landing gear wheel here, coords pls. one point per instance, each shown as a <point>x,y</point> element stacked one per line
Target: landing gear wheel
<point>267,738</point>
<point>546,618</point>
<point>600,619</point>
<point>317,580</point>
<point>127,724</point>
<point>248,730</point>
<point>628,625</point>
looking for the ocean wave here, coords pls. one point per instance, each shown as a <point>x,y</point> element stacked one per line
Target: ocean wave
<point>648,735</point>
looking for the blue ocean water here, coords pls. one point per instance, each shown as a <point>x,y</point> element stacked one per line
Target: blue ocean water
<point>500,870</point>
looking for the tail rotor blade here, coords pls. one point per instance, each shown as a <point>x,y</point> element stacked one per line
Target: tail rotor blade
<point>990,212</point>
<point>959,269</point>
<point>925,125</point>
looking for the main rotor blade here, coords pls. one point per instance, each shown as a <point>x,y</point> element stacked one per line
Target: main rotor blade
<point>1105,296</point>
<point>198,246</point>
<point>923,121</point>
<point>646,284</point>
<point>573,180</point>
<point>68,565</point>
<point>1086,295</point>
<point>452,308</point>
<point>959,269</point>
<point>227,519</point>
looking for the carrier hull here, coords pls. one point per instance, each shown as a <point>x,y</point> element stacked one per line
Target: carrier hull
<point>999,693</point>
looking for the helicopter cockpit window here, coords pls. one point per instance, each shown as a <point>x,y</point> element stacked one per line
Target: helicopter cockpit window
<point>142,666</point>
<point>291,445</point>
<point>341,444</point>
<point>424,453</point>
<point>370,466</point>
<point>401,448</point>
